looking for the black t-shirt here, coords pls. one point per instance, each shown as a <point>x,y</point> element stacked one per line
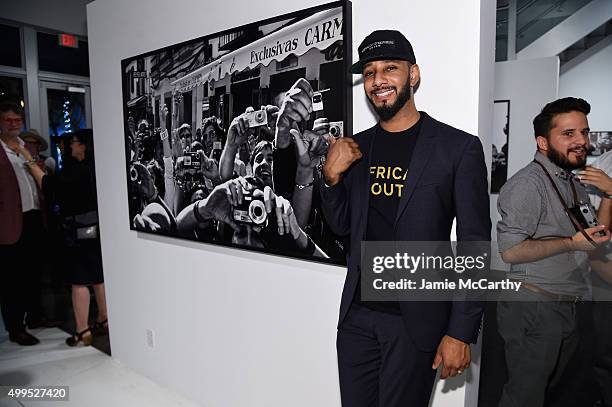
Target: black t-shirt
<point>390,158</point>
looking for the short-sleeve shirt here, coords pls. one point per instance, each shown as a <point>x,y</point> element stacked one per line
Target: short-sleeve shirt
<point>530,209</point>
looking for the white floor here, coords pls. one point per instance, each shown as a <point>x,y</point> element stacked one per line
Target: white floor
<point>94,379</point>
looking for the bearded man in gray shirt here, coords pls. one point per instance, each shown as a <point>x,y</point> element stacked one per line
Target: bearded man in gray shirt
<point>548,251</point>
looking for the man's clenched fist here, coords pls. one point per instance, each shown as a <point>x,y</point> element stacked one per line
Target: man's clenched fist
<point>342,153</point>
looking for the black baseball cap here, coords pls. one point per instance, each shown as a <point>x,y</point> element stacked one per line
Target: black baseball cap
<point>383,44</point>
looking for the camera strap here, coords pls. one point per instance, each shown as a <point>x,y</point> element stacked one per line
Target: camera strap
<point>575,222</point>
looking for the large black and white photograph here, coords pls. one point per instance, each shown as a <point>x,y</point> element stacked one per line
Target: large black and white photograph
<point>600,142</point>
<point>500,137</point>
<point>225,134</point>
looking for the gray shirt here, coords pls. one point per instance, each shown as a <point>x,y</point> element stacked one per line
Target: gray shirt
<point>530,209</point>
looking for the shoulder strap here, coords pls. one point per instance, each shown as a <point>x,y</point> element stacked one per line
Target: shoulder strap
<point>575,222</point>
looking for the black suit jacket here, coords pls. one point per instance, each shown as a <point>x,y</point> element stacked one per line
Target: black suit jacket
<point>447,179</point>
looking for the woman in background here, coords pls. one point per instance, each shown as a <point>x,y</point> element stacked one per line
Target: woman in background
<point>75,190</point>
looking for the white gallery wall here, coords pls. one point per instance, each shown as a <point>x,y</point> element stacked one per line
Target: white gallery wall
<point>590,78</point>
<point>529,84</point>
<point>236,328</point>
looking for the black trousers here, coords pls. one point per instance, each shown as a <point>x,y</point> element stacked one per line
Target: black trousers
<point>602,327</point>
<point>378,364</point>
<point>20,275</point>
<point>540,337</point>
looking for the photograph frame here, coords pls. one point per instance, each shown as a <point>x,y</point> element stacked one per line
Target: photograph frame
<point>345,90</point>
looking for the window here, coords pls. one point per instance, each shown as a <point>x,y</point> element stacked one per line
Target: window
<point>11,90</point>
<point>10,46</point>
<point>290,61</point>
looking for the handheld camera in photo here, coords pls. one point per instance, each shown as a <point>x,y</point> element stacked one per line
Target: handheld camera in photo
<point>336,129</point>
<point>317,102</point>
<point>192,160</point>
<point>217,149</point>
<point>586,216</point>
<point>251,210</point>
<point>257,118</point>
<point>134,175</point>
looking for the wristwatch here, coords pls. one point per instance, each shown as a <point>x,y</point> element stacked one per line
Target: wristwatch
<point>163,134</point>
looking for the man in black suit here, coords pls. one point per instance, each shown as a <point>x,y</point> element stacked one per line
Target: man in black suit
<point>404,179</point>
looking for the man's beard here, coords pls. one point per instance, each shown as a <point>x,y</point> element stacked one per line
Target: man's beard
<point>562,161</point>
<point>387,111</point>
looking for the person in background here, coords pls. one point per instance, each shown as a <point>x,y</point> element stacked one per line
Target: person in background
<point>548,252</point>
<point>22,226</point>
<point>75,189</point>
<point>36,145</point>
<point>212,133</point>
<point>49,284</point>
<point>597,178</point>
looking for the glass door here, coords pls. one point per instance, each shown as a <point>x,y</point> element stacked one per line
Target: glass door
<point>65,108</point>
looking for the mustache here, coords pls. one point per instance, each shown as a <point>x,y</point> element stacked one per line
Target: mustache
<point>379,88</point>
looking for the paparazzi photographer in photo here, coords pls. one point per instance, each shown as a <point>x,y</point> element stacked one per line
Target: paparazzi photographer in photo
<point>298,156</point>
<point>301,151</point>
<point>150,210</point>
<point>388,352</point>
<point>275,224</point>
<point>158,194</point>
<point>544,235</point>
<point>240,133</point>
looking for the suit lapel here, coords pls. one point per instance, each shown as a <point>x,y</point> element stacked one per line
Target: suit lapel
<point>420,157</point>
